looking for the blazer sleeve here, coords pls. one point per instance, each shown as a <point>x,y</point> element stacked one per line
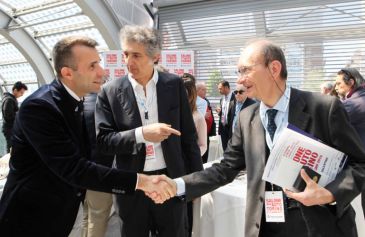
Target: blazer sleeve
<point>8,109</point>
<point>109,139</point>
<point>349,182</point>
<point>200,183</point>
<point>45,128</point>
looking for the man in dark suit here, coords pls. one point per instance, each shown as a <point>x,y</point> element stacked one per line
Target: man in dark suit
<point>135,116</point>
<point>224,111</point>
<point>241,102</point>
<point>49,166</point>
<point>317,211</point>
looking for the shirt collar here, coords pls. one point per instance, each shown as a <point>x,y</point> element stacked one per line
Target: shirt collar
<point>73,94</point>
<point>282,104</point>
<point>135,83</point>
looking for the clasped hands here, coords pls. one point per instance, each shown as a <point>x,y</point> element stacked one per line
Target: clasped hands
<point>157,187</point>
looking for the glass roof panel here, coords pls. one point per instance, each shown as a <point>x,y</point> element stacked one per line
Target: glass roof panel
<point>9,53</point>
<point>52,13</point>
<point>93,33</point>
<point>18,72</point>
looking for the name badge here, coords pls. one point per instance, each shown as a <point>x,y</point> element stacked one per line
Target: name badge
<point>150,152</point>
<point>274,206</point>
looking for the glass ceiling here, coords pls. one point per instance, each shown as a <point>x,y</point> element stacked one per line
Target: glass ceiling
<point>47,22</point>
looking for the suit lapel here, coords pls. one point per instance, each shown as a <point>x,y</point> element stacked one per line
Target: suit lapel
<point>66,104</point>
<point>128,101</point>
<point>163,97</point>
<point>297,114</point>
<point>258,135</point>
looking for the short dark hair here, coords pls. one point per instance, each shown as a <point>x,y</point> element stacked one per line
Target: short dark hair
<point>62,51</point>
<point>351,73</point>
<point>224,83</point>
<point>19,86</point>
<point>273,52</point>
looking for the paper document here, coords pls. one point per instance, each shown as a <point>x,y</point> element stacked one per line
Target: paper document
<point>295,149</point>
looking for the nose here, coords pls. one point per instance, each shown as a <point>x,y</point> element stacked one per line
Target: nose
<point>101,72</point>
<point>241,79</point>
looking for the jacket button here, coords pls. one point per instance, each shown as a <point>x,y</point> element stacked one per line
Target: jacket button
<point>78,194</point>
<point>257,225</point>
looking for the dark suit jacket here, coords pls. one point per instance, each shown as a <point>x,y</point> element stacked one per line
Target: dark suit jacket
<point>117,116</point>
<point>221,127</point>
<point>232,113</point>
<point>326,119</point>
<point>224,130</point>
<point>89,112</point>
<point>49,169</point>
<point>355,107</point>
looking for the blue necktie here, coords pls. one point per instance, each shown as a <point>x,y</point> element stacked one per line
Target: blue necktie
<point>271,126</point>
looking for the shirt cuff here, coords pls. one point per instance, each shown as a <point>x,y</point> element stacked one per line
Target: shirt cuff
<point>180,186</point>
<point>137,182</point>
<point>139,135</point>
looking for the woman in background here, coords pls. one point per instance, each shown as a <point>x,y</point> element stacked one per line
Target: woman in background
<point>199,120</point>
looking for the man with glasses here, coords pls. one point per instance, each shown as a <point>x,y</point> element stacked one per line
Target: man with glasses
<point>241,102</point>
<point>317,211</point>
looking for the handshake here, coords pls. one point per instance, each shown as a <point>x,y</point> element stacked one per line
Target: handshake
<point>157,187</point>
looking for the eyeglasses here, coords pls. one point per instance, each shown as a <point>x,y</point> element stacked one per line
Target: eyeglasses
<point>238,92</point>
<point>243,71</point>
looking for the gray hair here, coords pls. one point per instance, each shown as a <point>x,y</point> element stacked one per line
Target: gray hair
<point>327,85</point>
<point>148,37</point>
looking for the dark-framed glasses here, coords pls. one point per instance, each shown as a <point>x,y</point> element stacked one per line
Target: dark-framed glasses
<point>238,92</point>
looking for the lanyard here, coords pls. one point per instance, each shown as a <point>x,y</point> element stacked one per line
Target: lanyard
<point>144,104</point>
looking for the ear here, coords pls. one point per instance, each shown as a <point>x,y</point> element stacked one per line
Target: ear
<point>275,68</point>
<point>156,58</point>
<point>352,82</point>
<point>66,73</point>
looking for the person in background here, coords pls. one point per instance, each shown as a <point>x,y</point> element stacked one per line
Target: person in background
<point>224,111</point>
<point>351,84</point>
<point>201,104</point>
<point>199,121</point>
<point>326,88</point>
<point>49,164</point>
<point>317,211</point>
<point>201,90</point>
<point>144,119</point>
<point>241,102</point>
<point>97,205</point>
<point>9,109</point>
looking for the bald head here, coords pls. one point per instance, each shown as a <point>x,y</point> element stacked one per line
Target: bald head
<point>201,89</point>
<point>265,51</point>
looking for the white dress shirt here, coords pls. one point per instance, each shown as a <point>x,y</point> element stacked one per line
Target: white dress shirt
<point>201,105</point>
<point>281,118</point>
<point>147,103</point>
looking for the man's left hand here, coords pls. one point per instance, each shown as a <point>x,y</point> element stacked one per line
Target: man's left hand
<point>313,194</point>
